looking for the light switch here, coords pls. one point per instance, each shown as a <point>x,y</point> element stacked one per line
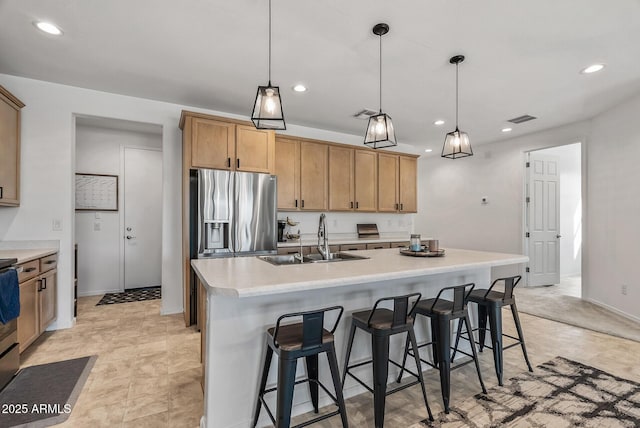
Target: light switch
<point>56,224</point>
<point>98,216</point>
<point>97,225</point>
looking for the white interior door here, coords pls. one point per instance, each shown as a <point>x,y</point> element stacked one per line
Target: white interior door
<point>543,219</point>
<point>142,217</point>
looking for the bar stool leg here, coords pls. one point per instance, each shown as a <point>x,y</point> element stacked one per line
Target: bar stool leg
<point>335,376</point>
<point>352,333</point>
<point>312,373</point>
<point>482,325</point>
<point>495,320</point>
<point>458,333</point>
<point>516,319</point>
<point>263,383</point>
<point>380,346</point>
<point>286,383</point>
<point>444,349</point>
<point>404,358</point>
<point>473,349</point>
<point>414,344</point>
<point>434,342</point>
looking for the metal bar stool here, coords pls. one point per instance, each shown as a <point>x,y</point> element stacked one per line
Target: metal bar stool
<point>490,305</point>
<point>441,312</point>
<point>383,323</point>
<point>292,341</point>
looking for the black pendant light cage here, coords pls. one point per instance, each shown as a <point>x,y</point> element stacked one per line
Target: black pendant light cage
<point>380,133</point>
<point>456,143</point>
<point>267,109</point>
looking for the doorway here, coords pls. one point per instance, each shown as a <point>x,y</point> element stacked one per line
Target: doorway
<point>132,152</point>
<point>553,219</point>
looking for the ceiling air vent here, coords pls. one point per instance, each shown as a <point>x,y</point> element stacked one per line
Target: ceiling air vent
<point>522,119</point>
<point>365,113</point>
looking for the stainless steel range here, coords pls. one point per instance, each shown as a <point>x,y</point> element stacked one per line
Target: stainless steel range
<point>9,350</point>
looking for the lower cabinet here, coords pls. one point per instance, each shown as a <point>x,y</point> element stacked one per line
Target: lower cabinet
<point>378,246</point>
<point>353,247</point>
<point>38,304</point>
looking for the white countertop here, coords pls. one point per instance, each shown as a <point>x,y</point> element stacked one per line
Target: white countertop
<point>251,277</point>
<point>26,255</point>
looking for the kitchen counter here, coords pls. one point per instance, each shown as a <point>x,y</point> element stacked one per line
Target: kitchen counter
<point>340,240</point>
<point>26,255</point>
<point>246,295</point>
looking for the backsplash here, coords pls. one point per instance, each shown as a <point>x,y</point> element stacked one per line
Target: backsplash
<point>344,224</point>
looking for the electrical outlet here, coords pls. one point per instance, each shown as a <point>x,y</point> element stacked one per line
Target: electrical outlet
<point>97,225</point>
<point>56,225</point>
<point>623,289</point>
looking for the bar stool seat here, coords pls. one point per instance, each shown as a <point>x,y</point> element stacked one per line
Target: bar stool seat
<point>381,324</point>
<point>490,303</point>
<point>441,312</point>
<point>306,339</point>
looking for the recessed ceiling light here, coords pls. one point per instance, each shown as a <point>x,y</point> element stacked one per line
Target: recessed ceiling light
<point>48,28</point>
<point>300,88</point>
<point>592,69</point>
<point>428,150</point>
<point>506,129</point>
<point>439,122</point>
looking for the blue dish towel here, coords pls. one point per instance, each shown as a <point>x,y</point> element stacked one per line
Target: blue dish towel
<point>9,296</point>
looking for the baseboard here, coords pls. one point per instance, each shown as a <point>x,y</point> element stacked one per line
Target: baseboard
<point>97,292</point>
<point>614,310</point>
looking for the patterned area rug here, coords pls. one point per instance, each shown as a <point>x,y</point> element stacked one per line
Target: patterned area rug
<point>135,295</point>
<point>559,393</point>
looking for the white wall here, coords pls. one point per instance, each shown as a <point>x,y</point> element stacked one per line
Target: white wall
<point>98,151</point>
<point>613,209</point>
<point>570,164</point>
<point>48,167</point>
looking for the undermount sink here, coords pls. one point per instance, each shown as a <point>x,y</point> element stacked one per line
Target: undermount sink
<point>293,259</point>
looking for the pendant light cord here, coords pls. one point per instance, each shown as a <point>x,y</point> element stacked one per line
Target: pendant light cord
<point>269,42</point>
<point>457,64</point>
<point>380,58</point>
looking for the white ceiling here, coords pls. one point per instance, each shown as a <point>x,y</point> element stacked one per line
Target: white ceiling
<point>523,57</point>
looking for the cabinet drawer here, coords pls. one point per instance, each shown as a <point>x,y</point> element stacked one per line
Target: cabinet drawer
<point>48,263</point>
<point>353,247</point>
<point>294,250</point>
<point>399,244</point>
<point>378,246</point>
<point>29,270</point>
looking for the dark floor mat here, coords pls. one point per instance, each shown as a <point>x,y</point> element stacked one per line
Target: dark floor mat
<point>135,295</point>
<point>44,395</point>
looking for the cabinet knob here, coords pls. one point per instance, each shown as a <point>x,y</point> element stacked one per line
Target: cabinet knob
<point>228,162</point>
<point>238,163</point>
<point>0,192</point>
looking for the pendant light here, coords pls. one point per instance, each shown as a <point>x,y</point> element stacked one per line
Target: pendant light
<point>380,133</point>
<point>267,110</point>
<point>456,143</point>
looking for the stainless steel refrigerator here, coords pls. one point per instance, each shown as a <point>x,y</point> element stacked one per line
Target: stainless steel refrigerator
<point>236,214</point>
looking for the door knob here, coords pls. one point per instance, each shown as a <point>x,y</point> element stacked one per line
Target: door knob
<point>130,237</point>
<point>558,236</point>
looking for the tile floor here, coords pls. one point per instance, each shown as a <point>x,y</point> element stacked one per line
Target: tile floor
<point>148,369</point>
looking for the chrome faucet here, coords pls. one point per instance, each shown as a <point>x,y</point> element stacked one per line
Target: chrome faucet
<point>323,247</point>
<point>299,255</point>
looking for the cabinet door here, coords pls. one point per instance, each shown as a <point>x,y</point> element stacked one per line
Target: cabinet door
<point>9,153</point>
<point>341,196</point>
<point>212,144</point>
<point>408,184</point>
<point>29,320</point>
<point>254,149</point>
<point>366,180</point>
<point>313,176</point>
<point>288,171</point>
<point>387,182</point>
<point>47,299</point>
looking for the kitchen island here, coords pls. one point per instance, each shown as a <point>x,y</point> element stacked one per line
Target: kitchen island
<point>246,295</point>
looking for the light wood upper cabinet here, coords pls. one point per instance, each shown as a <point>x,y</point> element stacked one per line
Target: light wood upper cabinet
<point>213,144</point>
<point>255,149</point>
<point>288,171</point>
<point>408,184</point>
<point>9,148</point>
<point>314,171</point>
<point>341,178</point>
<point>397,183</point>
<point>366,180</point>
<point>388,179</point>
<point>216,143</point>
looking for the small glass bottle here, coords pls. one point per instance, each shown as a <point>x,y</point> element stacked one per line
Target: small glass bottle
<point>415,244</point>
